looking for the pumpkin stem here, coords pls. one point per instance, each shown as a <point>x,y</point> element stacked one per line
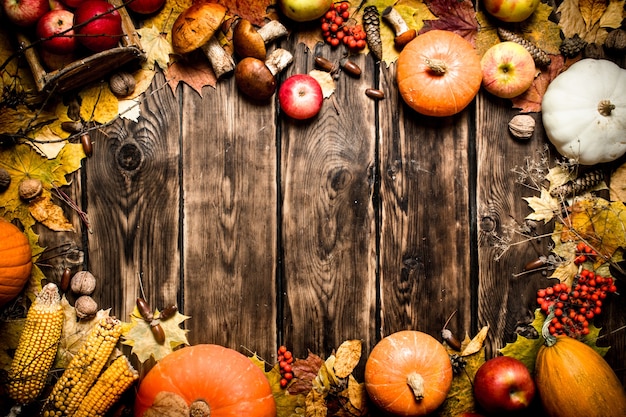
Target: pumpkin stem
<point>605,107</point>
<point>416,383</point>
<point>199,408</point>
<point>550,340</point>
<point>436,66</point>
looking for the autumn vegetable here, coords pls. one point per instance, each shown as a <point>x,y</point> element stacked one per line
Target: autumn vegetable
<point>438,73</point>
<point>83,370</point>
<point>583,111</point>
<point>573,380</point>
<point>213,378</point>
<point>408,373</point>
<point>195,28</point>
<point>15,261</point>
<point>256,78</point>
<point>37,347</point>
<point>249,41</point>
<point>114,381</point>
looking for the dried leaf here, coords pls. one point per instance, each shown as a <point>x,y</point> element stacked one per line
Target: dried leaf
<point>618,184</point>
<point>357,395</point>
<point>530,100</point>
<point>476,344</point>
<point>347,357</point>
<point>253,10</point>
<point>49,214</point>
<point>196,73</point>
<point>157,47</point>
<point>455,16</point>
<point>543,207</point>
<point>565,272</point>
<point>326,81</point>
<point>129,109</point>
<point>164,20</point>
<point>542,31</point>
<point>305,371</point>
<point>315,404</point>
<point>48,144</point>
<point>590,19</point>
<point>98,103</point>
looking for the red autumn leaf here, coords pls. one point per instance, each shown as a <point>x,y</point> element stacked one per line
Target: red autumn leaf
<point>253,10</point>
<point>197,73</point>
<point>530,101</point>
<point>455,16</point>
<point>305,371</point>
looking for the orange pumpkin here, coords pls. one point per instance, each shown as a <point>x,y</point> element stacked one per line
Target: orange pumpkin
<point>15,261</point>
<point>438,73</point>
<point>573,380</point>
<point>408,373</point>
<point>209,378</point>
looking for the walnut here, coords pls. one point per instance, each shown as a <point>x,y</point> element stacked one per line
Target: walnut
<point>30,189</point>
<point>83,283</point>
<point>522,126</point>
<point>5,180</point>
<point>122,84</point>
<point>85,307</point>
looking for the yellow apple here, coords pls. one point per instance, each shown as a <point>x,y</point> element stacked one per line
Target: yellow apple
<point>304,10</point>
<point>508,69</point>
<point>511,10</point>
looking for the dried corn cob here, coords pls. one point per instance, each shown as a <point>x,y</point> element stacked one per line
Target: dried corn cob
<point>37,347</point>
<point>83,370</point>
<point>580,184</point>
<point>109,387</point>
<point>540,57</point>
<point>371,26</point>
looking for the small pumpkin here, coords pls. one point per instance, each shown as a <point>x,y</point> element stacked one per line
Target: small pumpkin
<point>584,111</point>
<point>15,261</point>
<point>408,373</point>
<point>212,379</point>
<point>438,73</point>
<point>573,380</point>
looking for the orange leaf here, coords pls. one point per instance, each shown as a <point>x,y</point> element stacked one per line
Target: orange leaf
<point>253,10</point>
<point>194,72</point>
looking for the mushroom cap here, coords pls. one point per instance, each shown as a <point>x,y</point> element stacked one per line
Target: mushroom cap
<point>254,79</point>
<point>404,38</point>
<point>247,41</point>
<point>196,25</point>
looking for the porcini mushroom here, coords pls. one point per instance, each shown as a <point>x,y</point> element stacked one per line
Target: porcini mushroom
<point>249,41</point>
<point>403,34</point>
<point>256,78</point>
<point>195,28</point>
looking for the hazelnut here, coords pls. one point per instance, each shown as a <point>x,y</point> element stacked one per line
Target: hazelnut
<point>83,283</point>
<point>122,84</point>
<point>522,126</point>
<point>85,307</point>
<point>5,180</point>
<point>30,188</point>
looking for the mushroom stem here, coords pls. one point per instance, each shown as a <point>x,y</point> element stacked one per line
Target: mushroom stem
<point>605,107</point>
<point>416,383</point>
<point>278,60</point>
<point>403,33</point>
<point>221,61</point>
<point>272,30</point>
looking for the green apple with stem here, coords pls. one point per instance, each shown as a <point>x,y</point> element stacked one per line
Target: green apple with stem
<point>304,10</point>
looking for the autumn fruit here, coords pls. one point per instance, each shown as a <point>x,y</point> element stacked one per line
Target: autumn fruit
<point>101,33</point>
<point>25,13</point>
<point>503,385</point>
<point>15,261</point>
<point>56,28</point>
<point>438,73</point>
<point>300,96</point>
<point>145,6</point>
<point>508,69</point>
<point>511,10</point>
<point>408,373</point>
<point>304,10</point>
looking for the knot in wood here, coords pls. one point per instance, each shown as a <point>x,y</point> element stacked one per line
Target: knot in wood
<point>487,224</point>
<point>129,157</point>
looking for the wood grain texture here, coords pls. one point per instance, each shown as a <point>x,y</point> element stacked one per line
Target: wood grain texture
<point>328,223</point>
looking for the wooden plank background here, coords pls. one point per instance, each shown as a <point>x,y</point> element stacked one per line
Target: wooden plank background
<point>366,220</point>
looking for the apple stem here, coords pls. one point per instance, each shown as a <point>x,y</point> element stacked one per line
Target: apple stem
<point>437,66</point>
<point>605,107</point>
<point>416,383</point>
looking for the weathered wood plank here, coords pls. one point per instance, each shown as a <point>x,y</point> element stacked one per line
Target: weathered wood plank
<point>229,194</point>
<point>131,187</point>
<point>328,229</point>
<point>425,242</point>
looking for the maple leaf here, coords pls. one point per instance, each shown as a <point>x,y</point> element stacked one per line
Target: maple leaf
<point>22,162</point>
<point>542,31</point>
<point>138,334</point>
<point>156,46</point>
<point>196,73</point>
<point>455,16</point>
<point>543,207</point>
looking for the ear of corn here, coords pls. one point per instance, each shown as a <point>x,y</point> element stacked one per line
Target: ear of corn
<point>83,370</point>
<point>109,387</point>
<point>37,347</point>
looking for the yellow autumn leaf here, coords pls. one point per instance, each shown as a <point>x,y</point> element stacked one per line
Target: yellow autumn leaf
<point>347,357</point>
<point>164,20</point>
<point>542,31</point>
<point>357,394</point>
<point>565,272</point>
<point>476,343</point>
<point>156,46</point>
<point>49,214</point>
<point>543,207</point>
<point>325,80</point>
<point>98,104</point>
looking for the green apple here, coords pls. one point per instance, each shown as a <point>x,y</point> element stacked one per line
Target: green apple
<point>304,10</point>
<point>511,10</point>
<point>508,69</point>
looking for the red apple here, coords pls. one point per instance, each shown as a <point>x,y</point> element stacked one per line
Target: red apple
<point>25,12</point>
<point>56,28</point>
<point>101,33</point>
<point>145,6</point>
<point>57,5</point>
<point>72,4</point>
<point>503,385</point>
<point>508,69</point>
<point>300,96</point>
<point>511,10</point>
<point>54,62</point>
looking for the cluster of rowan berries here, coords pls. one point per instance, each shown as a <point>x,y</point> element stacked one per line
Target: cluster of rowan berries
<point>574,307</point>
<point>285,359</point>
<point>336,28</point>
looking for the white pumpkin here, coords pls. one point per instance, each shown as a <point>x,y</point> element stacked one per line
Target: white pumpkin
<point>584,111</point>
